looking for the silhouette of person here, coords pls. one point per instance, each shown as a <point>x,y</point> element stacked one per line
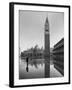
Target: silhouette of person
<point>27,59</point>
<point>27,64</point>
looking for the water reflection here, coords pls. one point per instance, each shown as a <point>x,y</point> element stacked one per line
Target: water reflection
<point>37,68</point>
<point>47,67</point>
<point>27,69</point>
<point>33,62</point>
<point>31,68</point>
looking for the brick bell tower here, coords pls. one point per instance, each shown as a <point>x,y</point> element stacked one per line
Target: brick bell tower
<point>47,49</point>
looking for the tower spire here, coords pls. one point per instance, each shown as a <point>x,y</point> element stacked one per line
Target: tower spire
<point>47,48</point>
<point>47,19</point>
<point>47,24</point>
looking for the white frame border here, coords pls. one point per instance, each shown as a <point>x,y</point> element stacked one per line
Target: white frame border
<point>18,82</point>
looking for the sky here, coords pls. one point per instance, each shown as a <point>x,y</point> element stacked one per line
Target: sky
<point>32,26</point>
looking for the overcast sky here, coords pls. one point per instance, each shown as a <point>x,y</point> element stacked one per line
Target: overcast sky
<point>31,28</point>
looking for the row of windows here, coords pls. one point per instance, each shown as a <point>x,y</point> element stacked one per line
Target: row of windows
<point>31,54</point>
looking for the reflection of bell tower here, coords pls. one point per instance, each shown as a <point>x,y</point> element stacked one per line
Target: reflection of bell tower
<point>47,49</point>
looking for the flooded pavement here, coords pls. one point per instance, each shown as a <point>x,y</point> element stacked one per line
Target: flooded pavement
<point>36,68</point>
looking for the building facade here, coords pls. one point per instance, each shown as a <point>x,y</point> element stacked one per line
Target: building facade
<point>33,54</point>
<point>58,56</point>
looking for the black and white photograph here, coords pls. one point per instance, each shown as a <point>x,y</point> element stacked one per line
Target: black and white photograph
<point>41,44</point>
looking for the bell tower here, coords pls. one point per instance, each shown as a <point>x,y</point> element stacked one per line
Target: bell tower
<point>47,48</point>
